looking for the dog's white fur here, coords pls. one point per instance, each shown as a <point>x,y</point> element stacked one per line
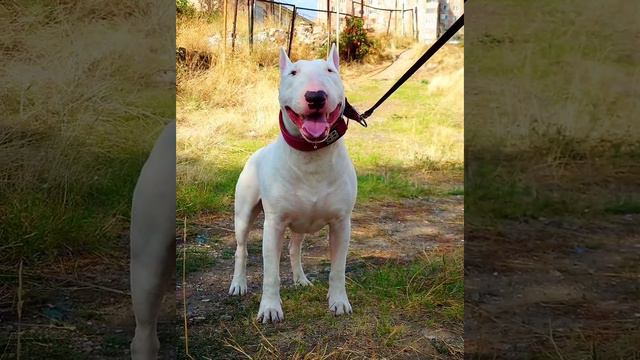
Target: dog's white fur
<point>303,191</point>
<point>153,246</point>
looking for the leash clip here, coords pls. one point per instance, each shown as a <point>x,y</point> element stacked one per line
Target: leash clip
<point>351,113</point>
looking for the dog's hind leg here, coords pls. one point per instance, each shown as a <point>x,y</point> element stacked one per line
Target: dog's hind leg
<point>247,208</point>
<point>295,253</point>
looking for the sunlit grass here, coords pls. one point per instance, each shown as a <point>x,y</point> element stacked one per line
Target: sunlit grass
<point>410,139</point>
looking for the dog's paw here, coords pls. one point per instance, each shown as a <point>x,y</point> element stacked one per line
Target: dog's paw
<point>301,280</point>
<point>339,305</point>
<point>144,346</point>
<point>270,311</point>
<point>238,287</point>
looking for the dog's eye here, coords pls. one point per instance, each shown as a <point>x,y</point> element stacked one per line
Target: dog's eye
<point>293,73</point>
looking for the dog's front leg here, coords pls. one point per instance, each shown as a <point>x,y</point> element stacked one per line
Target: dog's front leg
<point>339,236</point>
<point>272,239</point>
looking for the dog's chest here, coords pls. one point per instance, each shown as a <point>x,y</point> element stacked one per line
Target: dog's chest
<point>307,191</point>
<point>310,212</point>
<point>316,198</point>
<point>307,206</point>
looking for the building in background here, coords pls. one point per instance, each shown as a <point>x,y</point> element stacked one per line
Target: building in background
<point>433,16</point>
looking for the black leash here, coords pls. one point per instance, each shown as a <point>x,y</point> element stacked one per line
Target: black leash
<point>351,112</point>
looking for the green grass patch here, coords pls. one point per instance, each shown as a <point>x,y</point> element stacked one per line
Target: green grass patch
<point>428,290</point>
<point>213,189</point>
<point>456,191</point>
<point>390,187</point>
<point>197,259</point>
<point>624,206</point>
<point>83,216</point>
<point>508,189</point>
<point>228,254</point>
<point>213,195</point>
<point>433,285</point>
<point>115,344</point>
<point>497,193</point>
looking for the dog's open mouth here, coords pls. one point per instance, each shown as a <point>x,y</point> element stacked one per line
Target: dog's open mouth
<point>314,126</point>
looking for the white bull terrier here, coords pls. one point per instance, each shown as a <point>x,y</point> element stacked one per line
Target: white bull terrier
<point>153,246</point>
<point>303,181</point>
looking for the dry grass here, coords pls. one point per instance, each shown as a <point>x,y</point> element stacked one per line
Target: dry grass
<point>543,82</point>
<point>75,102</point>
<point>551,117</point>
<point>227,111</point>
<point>420,126</point>
<point>82,101</point>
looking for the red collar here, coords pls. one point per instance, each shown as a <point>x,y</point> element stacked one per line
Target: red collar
<point>338,129</point>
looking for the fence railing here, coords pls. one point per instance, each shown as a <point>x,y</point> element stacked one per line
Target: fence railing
<point>295,12</point>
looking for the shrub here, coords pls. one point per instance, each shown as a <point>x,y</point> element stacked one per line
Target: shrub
<point>184,8</point>
<point>354,43</point>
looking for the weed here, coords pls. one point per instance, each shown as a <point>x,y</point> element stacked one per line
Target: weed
<point>198,259</point>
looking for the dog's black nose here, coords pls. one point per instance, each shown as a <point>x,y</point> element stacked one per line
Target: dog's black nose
<point>316,99</point>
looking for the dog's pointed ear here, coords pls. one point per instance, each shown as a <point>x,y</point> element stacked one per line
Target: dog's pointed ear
<point>334,57</point>
<point>284,61</point>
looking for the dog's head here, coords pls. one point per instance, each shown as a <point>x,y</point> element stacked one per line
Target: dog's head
<point>311,94</point>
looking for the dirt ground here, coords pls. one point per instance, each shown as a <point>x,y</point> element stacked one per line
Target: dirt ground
<point>382,232</point>
<point>561,288</point>
<point>77,310</point>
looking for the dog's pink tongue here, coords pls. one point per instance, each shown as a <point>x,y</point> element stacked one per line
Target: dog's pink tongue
<point>316,128</point>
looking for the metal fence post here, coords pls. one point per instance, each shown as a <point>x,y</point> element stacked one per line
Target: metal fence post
<point>248,18</point>
<point>403,33</point>
<point>293,20</point>
<point>395,20</point>
<point>233,34</point>
<point>251,17</point>
<point>224,33</point>
<point>415,18</point>
<point>413,23</point>
<point>338,27</point>
<point>329,19</point>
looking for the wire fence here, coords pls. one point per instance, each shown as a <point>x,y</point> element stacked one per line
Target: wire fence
<point>287,18</point>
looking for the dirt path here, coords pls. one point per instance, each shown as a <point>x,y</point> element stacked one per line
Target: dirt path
<point>403,62</point>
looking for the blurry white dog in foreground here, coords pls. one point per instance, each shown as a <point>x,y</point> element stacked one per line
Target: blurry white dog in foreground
<point>153,246</point>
